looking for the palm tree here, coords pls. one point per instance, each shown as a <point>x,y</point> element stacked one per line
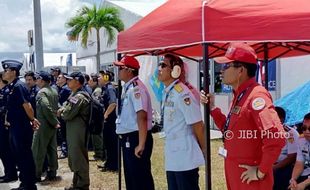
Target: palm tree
<point>87,18</point>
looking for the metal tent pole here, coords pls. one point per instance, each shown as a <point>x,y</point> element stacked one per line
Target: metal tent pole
<point>266,64</point>
<point>119,155</point>
<point>206,85</point>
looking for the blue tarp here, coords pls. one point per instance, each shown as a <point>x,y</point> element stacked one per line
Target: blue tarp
<point>296,104</point>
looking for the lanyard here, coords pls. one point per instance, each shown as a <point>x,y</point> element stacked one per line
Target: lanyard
<point>164,104</point>
<point>240,96</point>
<point>124,95</point>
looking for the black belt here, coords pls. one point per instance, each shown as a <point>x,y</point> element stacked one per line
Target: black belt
<point>132,134</point>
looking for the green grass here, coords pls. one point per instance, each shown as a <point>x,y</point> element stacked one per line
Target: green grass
<point>109,181</point>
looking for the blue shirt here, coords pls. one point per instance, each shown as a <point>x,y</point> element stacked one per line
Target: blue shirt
<point>63,93</point>
<point>109,97</point>
<point>16,115</point>
<point>33,93</point>
<point>4,92</point>
<point>135,98</point>
<point>181,110</point>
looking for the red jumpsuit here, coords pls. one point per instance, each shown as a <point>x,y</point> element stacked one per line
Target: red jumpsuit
<point>254,137</point>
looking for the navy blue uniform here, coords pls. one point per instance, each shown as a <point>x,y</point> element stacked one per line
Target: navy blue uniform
<point>21,133</point>
<point>6,154</point>
<point>33,93</point>
<point>109,134</point>
<point>63,94</point>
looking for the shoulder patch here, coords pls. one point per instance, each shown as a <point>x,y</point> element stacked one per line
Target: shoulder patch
<point>187,101</point>
<point>178,88</point>
<point>136,89</point>
<point>137,95</point>
<point>73,100</point>
<point>258,103</point>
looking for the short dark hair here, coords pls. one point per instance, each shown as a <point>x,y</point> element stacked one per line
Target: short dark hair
<point>281,112</point>
<point>86,76</point>
<point>251,68</point>
<point>30,74</point>
<point>307,116</point>
<point>135,72</point>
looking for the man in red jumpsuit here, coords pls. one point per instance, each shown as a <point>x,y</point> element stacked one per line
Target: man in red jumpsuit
<point>253,134</point>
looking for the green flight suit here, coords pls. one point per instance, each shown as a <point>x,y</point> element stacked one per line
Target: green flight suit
<point>75,113</point>
<point>44,139</point>
<point>97,138</point>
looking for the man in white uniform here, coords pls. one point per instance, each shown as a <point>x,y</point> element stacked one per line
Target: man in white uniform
<point>183,128</point>
<point>134,126</point>
<point>301,172</point>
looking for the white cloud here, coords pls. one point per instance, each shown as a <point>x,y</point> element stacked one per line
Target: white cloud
<point>17,18</point>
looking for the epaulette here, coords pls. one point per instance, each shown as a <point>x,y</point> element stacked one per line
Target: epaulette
<point>286,128</point>
<point>135,83</point>
<point>178,88</point>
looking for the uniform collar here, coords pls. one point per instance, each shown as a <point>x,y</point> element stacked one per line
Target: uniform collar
<point>245,85</point>
<point>13,82</point>
<point>168,88</point>
<point>126,85</point>
<point>106,85</point>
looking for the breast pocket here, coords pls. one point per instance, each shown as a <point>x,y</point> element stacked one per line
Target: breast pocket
<point>178,144</point>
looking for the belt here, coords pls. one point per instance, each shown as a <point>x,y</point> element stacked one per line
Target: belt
<point>132,134</point>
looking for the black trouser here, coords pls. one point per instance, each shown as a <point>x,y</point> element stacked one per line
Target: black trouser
<point>137,171</point>
<point>183,180</point>
<point>282,177</point>
<point>21,141</point>
<point>62,137</point>
<point>110,141</point>
<point>6,154</point>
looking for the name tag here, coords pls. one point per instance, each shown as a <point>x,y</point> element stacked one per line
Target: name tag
<point>236,110</point>
<point>118,121</point>
<point>162,134</point>
<point>127,144</point>
<point>222,152</point>
<point>73,100</point>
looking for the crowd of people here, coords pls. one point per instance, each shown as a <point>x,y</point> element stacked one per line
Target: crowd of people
<point>51,110</point>
<point>77,112</point>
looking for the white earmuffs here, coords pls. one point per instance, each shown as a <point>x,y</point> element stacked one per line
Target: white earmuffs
<point>176,71</point>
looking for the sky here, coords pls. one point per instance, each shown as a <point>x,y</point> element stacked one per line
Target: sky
<point>16,18</point>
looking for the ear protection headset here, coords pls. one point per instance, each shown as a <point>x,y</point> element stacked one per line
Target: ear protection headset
<point>176,67</point>
<point>106,77</point>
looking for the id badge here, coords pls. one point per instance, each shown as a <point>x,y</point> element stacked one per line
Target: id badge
<point>162,134</point>
<point>118,121</point>
<point>222,152</point>
<point>127,144</point>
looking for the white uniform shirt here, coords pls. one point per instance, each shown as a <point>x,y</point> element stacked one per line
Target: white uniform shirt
<point>291,144</point>
<point>181,110</point>
<point>135,98</point>
<point>303,155</point>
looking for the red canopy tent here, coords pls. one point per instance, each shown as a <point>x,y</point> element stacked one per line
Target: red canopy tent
<point>203,29</point>
<point>182,26</point>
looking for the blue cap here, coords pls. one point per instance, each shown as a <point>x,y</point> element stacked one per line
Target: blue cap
<point>11,64</point>
<point>43,75</point>
<point>56,69</point>
<point>76,76</point>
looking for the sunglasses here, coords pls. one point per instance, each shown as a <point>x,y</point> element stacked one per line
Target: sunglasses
<point>305,128</point>
<point>162,65</point>
<point>228,65</point>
